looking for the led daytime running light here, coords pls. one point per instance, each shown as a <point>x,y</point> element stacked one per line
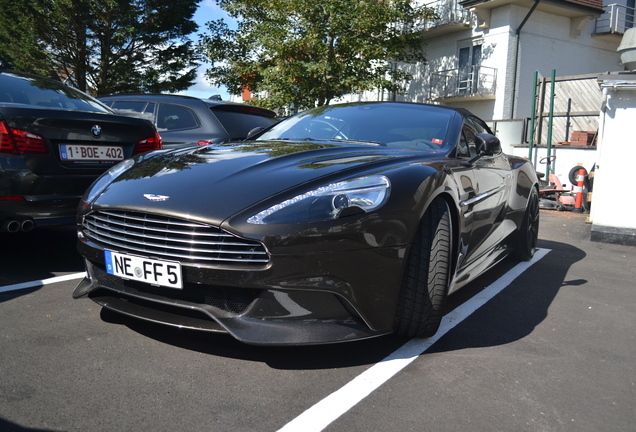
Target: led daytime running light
<point>258,219</point>
<point>347,187</point>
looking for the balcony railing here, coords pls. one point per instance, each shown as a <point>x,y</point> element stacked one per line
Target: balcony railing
<point>616,19</point>
<point>478,82</point>
<point>448,12</point>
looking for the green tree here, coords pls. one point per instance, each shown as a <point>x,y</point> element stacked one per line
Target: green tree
<point>309,52</point>
<point>103,46</point>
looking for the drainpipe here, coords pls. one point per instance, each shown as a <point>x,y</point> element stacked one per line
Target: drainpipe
<point>534,108</point>
<point>514,81</point>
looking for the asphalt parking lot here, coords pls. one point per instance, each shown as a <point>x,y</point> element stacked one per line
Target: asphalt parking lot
<point>553,351</point>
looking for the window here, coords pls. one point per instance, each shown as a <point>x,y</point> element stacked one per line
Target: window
<point>237,122</point>
<point>479,125</point>
<point>42,92</point>
<point>469,59</point>
<point>173,117</point>
<point>466,146</point>
<point>150,108</point>
<point>129,105</point>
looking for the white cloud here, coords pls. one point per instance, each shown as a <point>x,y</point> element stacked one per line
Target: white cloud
<point>203,89</point>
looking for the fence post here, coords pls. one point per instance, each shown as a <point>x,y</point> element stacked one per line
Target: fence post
<point>550,117</point>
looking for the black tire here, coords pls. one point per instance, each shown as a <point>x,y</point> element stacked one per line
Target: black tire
<point>528,233</point>
<point>425,283</point>
<point>573,176</point>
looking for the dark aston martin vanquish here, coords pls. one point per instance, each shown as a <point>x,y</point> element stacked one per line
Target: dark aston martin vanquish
<point>344,222</point>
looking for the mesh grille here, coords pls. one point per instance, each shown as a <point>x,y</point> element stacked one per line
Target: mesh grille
<point>171,238</point>
<point>233,300</point>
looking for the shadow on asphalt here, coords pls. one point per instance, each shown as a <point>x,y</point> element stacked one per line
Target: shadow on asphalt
<point>510,316</point>
<point>517,310</point>
<point>7,426</point>
<point>36,255</point>
<point>18,293</point>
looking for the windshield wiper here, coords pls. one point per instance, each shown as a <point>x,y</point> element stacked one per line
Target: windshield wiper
<point>374,143</point>
<point>356,141</point>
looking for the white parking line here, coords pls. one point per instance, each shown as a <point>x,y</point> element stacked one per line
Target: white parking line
<point>7,288</point>
<point>319,416</point>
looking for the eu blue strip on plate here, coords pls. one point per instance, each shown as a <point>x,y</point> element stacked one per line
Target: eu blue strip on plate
<point>109,261</point>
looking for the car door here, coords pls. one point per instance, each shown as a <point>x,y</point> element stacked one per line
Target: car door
<point>493,180</point>
<point>463,174</point>
<point>483,193</point>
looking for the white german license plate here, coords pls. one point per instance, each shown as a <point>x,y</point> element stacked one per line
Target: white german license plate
<point>152,271</point>
<point>76,152</point>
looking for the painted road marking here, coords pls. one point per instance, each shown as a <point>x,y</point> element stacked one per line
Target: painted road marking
<point>321,415</point>
<point>36,283</point>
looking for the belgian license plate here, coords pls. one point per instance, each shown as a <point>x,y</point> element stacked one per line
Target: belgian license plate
<point>152,271</point>
<point>76,152</point>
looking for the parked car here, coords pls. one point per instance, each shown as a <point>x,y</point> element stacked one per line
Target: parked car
<point>185,120</point>
<point>343,222</point>
<point>54,142</point>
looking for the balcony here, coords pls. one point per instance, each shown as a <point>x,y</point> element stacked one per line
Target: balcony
<point>472,82</point>
<point>451,17</point>
<point>616,19</point>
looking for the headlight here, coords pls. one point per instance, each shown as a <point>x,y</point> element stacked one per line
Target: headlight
<point>107,178</point>
<point>328,202</point>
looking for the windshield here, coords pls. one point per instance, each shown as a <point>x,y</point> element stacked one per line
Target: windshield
<point>43,92</point>
<point>400,125</point>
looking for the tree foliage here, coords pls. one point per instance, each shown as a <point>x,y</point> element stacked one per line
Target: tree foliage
<point>103,46</point>
<point>310,52</point>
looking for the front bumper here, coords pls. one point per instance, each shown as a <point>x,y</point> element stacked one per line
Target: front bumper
<point>48,199</point>
<point>44,210</point>
<point>298,300</point>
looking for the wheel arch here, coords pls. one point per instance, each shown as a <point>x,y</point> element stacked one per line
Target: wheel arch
<point>455,234</point>
<point>444,192</point>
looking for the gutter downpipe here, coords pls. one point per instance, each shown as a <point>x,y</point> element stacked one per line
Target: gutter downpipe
<point>534,108</point>
<point>514,80</point>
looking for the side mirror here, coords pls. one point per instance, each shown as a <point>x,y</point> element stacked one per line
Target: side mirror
<point>487,145</point>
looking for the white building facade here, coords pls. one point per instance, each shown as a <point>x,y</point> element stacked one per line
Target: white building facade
<point>482,55</point>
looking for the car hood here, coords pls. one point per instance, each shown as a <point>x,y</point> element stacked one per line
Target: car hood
<point>212,183</point>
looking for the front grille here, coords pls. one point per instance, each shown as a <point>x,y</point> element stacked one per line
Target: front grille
<point>171,238</point>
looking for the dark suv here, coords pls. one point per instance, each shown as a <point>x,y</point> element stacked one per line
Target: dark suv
<point>185,120</point>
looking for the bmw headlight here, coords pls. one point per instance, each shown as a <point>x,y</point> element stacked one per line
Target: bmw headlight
<point>329,202</point>
<point>107,178</point>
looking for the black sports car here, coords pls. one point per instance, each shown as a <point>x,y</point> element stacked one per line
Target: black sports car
<point>340,223</point>
<point>54,142</point>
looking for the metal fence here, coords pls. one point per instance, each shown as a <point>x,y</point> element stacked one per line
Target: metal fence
<point>447,11</point>
<point>577,104</point>
<point>466,81</point>
<point>616,19</point>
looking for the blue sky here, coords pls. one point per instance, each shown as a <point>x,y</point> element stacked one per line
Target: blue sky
<point>208,10</point>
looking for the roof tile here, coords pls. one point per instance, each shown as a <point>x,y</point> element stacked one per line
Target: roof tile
<point>596,4</point>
